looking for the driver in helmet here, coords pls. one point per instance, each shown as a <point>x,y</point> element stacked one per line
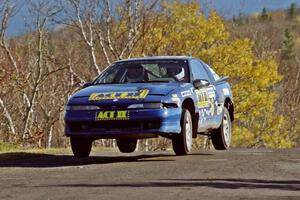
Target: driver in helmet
<point>176,72</point>
<point>135,73</point>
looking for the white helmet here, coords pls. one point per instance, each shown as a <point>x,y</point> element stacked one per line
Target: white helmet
<point>180,75</point>
<point>176,71</point>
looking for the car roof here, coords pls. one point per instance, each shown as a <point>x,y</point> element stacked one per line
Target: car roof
<point>156,58</point>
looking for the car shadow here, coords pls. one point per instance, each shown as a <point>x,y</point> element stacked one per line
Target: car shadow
<point>40,160</point>
<point>287,185</point>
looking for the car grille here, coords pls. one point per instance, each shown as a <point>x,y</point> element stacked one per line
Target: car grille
<point>114,125</point>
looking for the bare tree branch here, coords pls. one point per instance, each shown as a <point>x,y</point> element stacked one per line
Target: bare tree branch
<point>43,13</point>
<point>8,117</point>
<point>89,41</point>
<point>6,13</point>
<point>108,29</point>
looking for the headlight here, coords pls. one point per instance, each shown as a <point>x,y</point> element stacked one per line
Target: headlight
<point>145,105</point>
<point>82,108</point>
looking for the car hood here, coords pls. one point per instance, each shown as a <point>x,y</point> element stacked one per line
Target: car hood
<point>152,89</point>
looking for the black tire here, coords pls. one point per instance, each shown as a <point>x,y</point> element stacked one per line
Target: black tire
<point>182,143</point>
<point>81,147</point>
<point>126,145</point>
<point>221,137</point>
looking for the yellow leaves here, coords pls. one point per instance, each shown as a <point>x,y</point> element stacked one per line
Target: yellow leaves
<point>275,135</point>
<point>184,30</point>
<point>216,28</point>
<point>269,134</point>
<point>233,57</point>
<point>241,136</point>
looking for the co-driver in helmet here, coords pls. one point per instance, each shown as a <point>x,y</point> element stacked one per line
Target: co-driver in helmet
<point>176,72</point>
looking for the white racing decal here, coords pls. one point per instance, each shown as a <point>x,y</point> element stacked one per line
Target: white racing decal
<point>192,90</point>
<point>186,93</point>
<point>176,99</point>
<point>211,94</point>
<point>225,91</point>
<point>219,109</point>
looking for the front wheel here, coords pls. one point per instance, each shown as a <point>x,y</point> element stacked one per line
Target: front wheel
<point>126,145</point>
<point>182,144</point>
<point>221,137</point>
<point>81,147</point>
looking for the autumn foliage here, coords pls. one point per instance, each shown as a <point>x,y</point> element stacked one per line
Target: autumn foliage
<point>185,30</point>
<point>53,64</point>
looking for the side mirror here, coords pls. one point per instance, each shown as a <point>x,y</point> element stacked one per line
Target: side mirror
<point>200,83</point>
<point>87,84</point>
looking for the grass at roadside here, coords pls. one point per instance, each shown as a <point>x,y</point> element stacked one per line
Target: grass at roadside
<point>7,147</point>
<point>14,152</point>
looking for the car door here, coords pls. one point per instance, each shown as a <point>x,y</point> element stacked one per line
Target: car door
<point>206,95</point>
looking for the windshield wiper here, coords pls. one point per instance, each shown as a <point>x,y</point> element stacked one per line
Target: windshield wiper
<point>137,82</point>
<point>159,81</point>
<point>120,83</point>
<point>151,81</point>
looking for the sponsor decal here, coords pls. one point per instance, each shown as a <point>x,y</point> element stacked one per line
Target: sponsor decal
<point>212,108</point>
<point>112,115</point>
<point>139,94</point>
<point>216,77</point>
<point>225,91</point>
<point>202,98</point>
<point>202,115</point>
<point>192,90</point>
<point>219,109</point>
<point>186,93</point>
<point>211,92</point>
<point>206,100</point>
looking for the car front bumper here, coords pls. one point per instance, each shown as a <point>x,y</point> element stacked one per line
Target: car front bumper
<point>140,123</point>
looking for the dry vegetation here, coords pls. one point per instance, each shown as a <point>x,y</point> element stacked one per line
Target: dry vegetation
<point>277,34</point>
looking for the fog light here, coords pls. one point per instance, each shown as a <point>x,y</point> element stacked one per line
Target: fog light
<point>150,125</point>
<point>84,127</point>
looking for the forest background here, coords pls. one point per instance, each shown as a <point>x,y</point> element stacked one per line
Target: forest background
<point>69,42</point>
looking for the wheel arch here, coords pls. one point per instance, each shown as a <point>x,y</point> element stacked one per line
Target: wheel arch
<point>228,103</point>
<point>190,106</point>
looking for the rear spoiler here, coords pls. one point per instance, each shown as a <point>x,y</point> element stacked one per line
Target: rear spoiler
<point>222,79</point>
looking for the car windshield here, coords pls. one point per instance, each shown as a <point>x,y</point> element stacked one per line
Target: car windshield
<point>145,72</point>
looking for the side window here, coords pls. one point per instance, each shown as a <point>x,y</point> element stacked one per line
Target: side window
<point>110,75</point>
<point>198,72</point>
<point>215,76</point>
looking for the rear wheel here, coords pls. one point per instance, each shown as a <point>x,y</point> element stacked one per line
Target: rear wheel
<point>126,145</point>
<point>81,147</point>
<point>221,137</point>
<point>182,144</point>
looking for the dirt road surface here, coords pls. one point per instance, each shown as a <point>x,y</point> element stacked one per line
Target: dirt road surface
<point>207,174</point>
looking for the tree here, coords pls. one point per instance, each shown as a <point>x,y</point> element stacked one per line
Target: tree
<point>28,60</point>
<point>288,44</point>
<point>42,67</point>
<point>114,27</point>
<point>184,30</point>
<point>6,11</point>
<point>292,11</point>
<point>289,88</point>
<point>264,16</point>
<point>239,20</point>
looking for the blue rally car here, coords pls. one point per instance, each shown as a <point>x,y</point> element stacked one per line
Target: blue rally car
<point>174,97</point>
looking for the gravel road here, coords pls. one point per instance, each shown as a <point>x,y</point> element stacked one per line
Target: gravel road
<point>206,174</point>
